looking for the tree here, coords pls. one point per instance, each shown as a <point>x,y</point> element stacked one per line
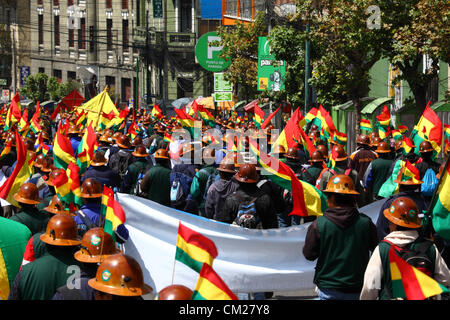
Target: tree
<point>41,87</point>
<point>240,44</point>
<point>345,49</point>
<point>414,30</point>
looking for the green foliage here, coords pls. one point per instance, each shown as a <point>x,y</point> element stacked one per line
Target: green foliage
<point>41,87</point>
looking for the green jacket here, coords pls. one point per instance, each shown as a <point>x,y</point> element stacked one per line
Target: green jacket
<point>311,174</point>
<point>199,182</point>
<point>132,175</point>
<point>40,278</point>
<point>380,169</point>
<point>156,184</point>
<point>34,219</point>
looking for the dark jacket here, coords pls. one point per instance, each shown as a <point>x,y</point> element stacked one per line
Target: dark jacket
<point>156,184</point>
<point>341,240</point>
<point>141,165</point>
<point>264,205</point>
<point>84,292</point>
<point>34,219</point>
<point>216,196</point>
<point>103,174</point>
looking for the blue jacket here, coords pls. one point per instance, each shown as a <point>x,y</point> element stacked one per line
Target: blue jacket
<point>104,174</point>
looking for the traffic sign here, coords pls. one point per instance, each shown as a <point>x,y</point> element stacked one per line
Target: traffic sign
<point>223,96</point>
<point>208,55</point>
<point>220,84</point>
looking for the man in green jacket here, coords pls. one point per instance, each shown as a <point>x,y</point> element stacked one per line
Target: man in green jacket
<point>341,240</point>
<point>29,215</point>
<point>377,171</point>
<point>139,166</point>
<point>39,279</point>
<point>156,182</point>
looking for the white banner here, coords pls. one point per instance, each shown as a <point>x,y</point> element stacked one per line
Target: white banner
<point>248,260</point>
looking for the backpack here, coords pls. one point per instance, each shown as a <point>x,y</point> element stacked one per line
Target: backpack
<point>119,163</point>
<point>211,179</point>
<point>247,216</point>
<point>180,185</point>
<point>429,183</point>
<point>417,256</point>
<point>136,190</point>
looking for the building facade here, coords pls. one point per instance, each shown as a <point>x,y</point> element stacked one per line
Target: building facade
<point>88,41</point>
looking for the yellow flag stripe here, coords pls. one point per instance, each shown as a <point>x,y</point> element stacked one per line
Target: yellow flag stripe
<point>4,281</point>
<point>209,291</point>
<point>194,252</point>
<point>429,286</point>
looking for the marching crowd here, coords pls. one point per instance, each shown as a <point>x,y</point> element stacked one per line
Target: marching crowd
<point>223,183</point>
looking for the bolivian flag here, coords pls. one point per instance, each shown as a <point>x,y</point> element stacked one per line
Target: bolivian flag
<point>73,174</point>
<point>168,137</point>
<point>211,287</point>
<point>311,115</point>
<point>194,249</point>
<point>112,212</point>
<point>206,116</point>
<point>62,151</point>
<point>428,128</point>
<point>324,121</point>
<point>340,138</point>
<point>307,199</point>
<point>403,129</point>
<point>156,112</point>
<point>81,120</point>
<point>441,208</point>
<point>186,121</point>
<point>62,188</point>
<point>364,124</point>
<point>22,171</point>
<point>383,122</point>
<point>14,112</point>
<point>396,134</point>
<point>291,130</point>
<point>34,123</point>
<point>409,282</point>
<point>258,118</point>
<point>23,123</point>
<point>133,130</point>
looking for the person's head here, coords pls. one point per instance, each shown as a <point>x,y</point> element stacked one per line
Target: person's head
<point>363,140</point>
<point>61,231</point>
<point>91,191</point>
<point>322,149</point>
<point>426,150</point>
<point>57,207</point>
<point>98,159</point>
<point>403,214</point>
<point>119,276</point>
<point>340,191</point>
<point>292,153</point>
<point>317,159</point>
<point>73,131</point>
<point>96,246</point>
<point>247,174</point>
<point>339,154</point>
<point>383,150</point>
<point>175,292</point>
<point>123,142</point>
<point>140,152</point>
<point>28,195</point>
<point>162,157</point>
<point>227,168</point>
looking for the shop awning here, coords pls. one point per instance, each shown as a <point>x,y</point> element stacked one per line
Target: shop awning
<point>372,106</point>
<point>440,106</point>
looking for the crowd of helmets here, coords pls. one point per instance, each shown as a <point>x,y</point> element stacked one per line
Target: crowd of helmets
<point>121,275</point>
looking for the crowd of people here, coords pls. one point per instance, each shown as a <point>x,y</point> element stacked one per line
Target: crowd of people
<point>217,177</point>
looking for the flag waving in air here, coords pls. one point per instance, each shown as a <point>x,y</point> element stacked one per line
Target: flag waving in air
<point>112,212</point>
<point>383,123</point>
<point>194,249</point>
<point>428,128</point>
<point>365,124</point>
<point>211,287</point>
<point>258,117</point>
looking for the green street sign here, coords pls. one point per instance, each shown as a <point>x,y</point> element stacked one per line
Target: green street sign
<point>157,9</point>
<point>3,82</point>
<point>271,73</point>
<point>223,96</point>
<point>208,55</point>
<point>220,84</point>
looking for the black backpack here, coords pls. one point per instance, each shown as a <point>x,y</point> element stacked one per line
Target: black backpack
<point>119,163</point>
<point>416,254</point>
<point>247,215</point>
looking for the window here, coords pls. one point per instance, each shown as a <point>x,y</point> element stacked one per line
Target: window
<point>71,38</point>
<point>109,34</point>
<point>125,34</point>
<point>108,3</point>
<point>124,4</point>
<point>57,74</point>
<point>56,18</point>
<point>41,70</point>
<point>71,75</point>
<point>56,2</point>
<point>82,34</point>
<point>126,89</point>
<point>39,2</point>
<point>41,28</point>
<point>110,82</point>
<point>91,39</point>
<point>185,16</point>
<point>138,13</point>
<point>69,3</point>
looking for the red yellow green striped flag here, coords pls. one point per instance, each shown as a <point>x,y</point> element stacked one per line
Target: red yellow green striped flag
<point>409,282</point>
<point>441,206</point>
<point>73,174</point>
<point>156,112</point>
<point>186,121</point>
<point>210,286</point>
<point>396,134</point>
<point>312,113</point>
<point>23,123</point>
<point>6,150</point>
<point>62,151</point>
<point>324,121</point>
<point>22,171</point>
<point>409,172</point>
<point>34,123</point>
<point>428,128</point>
<point>14,112</point>
<point>291,130</point>
<point>340,138</point>
<point>62,188</point>
<point>383,122</point>
<point>194,249</point>
<point>403,129</point>
<point>112,212</point>
<point>133,130</point>
<point>364,124</point>
<point>258,118</point>
<point>86,148</point>
<point>307,199</point>
<point>206,116</point>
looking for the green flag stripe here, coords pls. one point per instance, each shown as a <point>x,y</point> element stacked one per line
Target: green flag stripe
<point>183,257</point>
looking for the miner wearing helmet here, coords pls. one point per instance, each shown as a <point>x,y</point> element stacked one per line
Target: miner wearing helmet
<point>38,280</point>
<point>404,220</point>
<point>341,240</point>
<point>136,171</point>
<point>426,153</point>
<point>99,170</point>
<point>119,277</point>
<point>96,246</point>
<point>29,215</point>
